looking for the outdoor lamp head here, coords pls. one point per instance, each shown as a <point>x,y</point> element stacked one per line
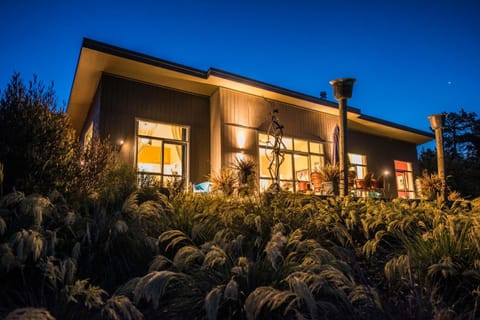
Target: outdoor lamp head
<point>342,88</point>
<point>437,121</point>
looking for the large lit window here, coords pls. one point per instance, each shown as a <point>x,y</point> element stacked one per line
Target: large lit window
<point>404,179</point>
<point>301,157</point>
<point>358,163</point>
<point>161,151</point>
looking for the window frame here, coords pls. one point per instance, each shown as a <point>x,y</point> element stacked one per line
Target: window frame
<point>357,166</point>
<point>291,151</point>
<point>184,143</point>
<point>409,192</point>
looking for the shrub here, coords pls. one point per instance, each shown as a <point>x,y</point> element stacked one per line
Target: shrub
<point>100,176</point>
<point>37,142</point>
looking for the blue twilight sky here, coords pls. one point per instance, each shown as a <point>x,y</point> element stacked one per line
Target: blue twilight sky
<point>411,58</point>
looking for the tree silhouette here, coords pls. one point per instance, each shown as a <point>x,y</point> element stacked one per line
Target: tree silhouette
<point>462,153</point>
<point>37,142</point>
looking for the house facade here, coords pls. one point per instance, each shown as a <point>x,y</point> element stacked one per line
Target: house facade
<point>171,121</point>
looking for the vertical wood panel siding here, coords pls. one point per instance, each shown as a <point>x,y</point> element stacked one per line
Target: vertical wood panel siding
<point>124,100</point>
<point>215,133</point>
<point>381,152</point>
<point>231,149</point>
<point>254,112</point>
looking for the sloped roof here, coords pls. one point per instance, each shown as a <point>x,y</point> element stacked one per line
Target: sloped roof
<point>97,58</point>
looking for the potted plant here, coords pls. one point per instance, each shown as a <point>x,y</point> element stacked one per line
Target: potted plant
<point>330,176</point>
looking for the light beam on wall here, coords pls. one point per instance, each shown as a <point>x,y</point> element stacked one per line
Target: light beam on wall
<point>241,137</point>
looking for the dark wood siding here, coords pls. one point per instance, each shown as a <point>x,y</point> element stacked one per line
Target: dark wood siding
<point>124,100</point>
<point>381,152</point>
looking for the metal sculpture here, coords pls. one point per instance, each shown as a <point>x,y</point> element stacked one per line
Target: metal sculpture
<point>275,154</point>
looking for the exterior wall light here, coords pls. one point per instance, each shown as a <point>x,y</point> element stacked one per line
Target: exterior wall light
<point>119,144</point>
<point>241,138</point>
<point>386,184</point>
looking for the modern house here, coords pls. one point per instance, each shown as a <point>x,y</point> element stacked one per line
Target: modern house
<point>170,120</point>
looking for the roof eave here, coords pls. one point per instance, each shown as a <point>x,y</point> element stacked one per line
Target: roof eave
<point>97,58</point>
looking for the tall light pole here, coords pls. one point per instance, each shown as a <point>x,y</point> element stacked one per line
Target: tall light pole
<point>437,122</point>
<point>342,90</point>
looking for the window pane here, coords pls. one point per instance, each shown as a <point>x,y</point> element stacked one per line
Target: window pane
<point>286,168</point>
<point>173,159</point>
<point>288,142</point>
<point>356,159</point>
<point>264,162</point>
<point>316,147</point>
<point>160,130</point>
<point>358,164</point>
<point>316,162</point>
<point>361,172</point>
<point>264,184</point>
<point>301,145</point>
<point>149,155</point>
<point>263,140</point>
<point>301,167</point>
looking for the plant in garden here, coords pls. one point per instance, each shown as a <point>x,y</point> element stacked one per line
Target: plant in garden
<point>246,171</point>
<point>224,181</point>
<point>37,142</point>
<point>208,256</point>
<point>430,185</point>
<point>100,177</point>
<point>243,266</point>
<point>45,249</point>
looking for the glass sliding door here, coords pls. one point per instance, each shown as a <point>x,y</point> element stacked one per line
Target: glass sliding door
<point>404,179</point>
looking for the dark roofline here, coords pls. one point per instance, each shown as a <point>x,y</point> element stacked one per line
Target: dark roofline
<point>140,57</point>
<point>270,87</point>
<point>396,125</point>
<point>143,58</point>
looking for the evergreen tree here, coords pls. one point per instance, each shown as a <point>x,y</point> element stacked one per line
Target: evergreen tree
<point>462,153</point>
<point>37,142</point>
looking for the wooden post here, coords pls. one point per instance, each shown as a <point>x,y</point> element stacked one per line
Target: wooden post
<point>342,110</point>
<point>342,90</point>
<point>437,122</point>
